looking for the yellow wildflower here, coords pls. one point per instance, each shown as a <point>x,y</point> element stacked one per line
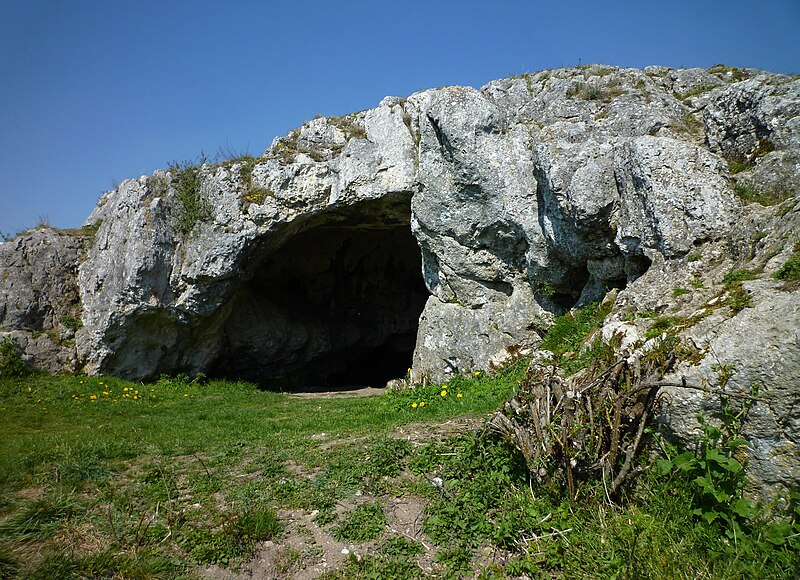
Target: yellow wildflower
<point>459,395</point>
<point>93,397</point>
<point>477,373</point>
<point>443,393</point>
<point>422,403</point>
<point>413,405</point>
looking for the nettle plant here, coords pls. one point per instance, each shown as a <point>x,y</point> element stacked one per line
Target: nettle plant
<point>715,472</point>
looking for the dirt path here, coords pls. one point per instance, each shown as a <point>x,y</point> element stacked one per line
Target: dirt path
<point>307,550</point>
<point>341,393</point>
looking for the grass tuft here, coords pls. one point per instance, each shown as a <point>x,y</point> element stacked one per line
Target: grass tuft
<point>362,524</point>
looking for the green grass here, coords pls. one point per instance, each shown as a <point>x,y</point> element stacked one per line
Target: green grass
<point>789,273</point>
<point>129,461</point>
<point>567,336</point>
<point>190,205</point>
<point>748,193</point>
<point>738,298</point>
<point>101,477</point>
<point>594,92</point>
<point>739,275</point>
<point>364,523</point>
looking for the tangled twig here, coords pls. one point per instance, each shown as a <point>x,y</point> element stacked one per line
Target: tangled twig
<point>592,422</point>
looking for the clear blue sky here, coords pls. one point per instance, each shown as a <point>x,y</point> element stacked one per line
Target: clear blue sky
<point>94,92</point>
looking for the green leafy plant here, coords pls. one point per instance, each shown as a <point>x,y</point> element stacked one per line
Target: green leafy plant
<point>715,473</point>
<point>786,533</point>
<point>544,288</point>
<point>476,477</point>
<point>739,298</point>
<point>790,271</point>
<point>190,207</point>
<point>256,526</point>
<point>168,481</point>
<point>11,363</point>
<point>71,322</point>
<point>253,193</point>
<point>235,540</point>
<point>676,292</point>
<point>395,561</point>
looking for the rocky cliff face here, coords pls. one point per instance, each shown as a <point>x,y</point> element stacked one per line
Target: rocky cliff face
<point>39,299</point>
<point>443,231</point>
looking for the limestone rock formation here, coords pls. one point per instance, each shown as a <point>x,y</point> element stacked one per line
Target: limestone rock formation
<point>442,232</point>
<point>39,299</point>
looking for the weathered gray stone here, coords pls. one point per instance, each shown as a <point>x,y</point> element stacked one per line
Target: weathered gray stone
<point>39,303</point>
<point>452,224</point>
<point>761,345</point>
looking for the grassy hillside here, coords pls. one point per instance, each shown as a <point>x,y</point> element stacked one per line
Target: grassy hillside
<point>101,477</point>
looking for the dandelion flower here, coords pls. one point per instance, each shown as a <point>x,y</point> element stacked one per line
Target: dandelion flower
<point>413,405</point>
<point>422,403</point>
<point>477,373</point>
<point>459,395</point>
<point>93,397</point>
<point>443,393</point>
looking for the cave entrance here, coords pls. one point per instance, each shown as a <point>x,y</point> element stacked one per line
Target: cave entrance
<point>336,306</point>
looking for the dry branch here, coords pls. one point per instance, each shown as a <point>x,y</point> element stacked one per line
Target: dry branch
<point>588,424</point>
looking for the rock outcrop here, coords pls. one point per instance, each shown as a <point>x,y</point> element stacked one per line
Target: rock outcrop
<point>39,298</point>
<point>442,232</point>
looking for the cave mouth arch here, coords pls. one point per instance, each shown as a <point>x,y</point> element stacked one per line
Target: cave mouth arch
<point>335,306</point>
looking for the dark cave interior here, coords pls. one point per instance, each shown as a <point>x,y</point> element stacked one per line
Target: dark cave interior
<point>337,306</point>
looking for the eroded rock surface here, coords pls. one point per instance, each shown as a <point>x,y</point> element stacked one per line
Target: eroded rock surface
<point>443,231</point>
<point>39,299</point>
